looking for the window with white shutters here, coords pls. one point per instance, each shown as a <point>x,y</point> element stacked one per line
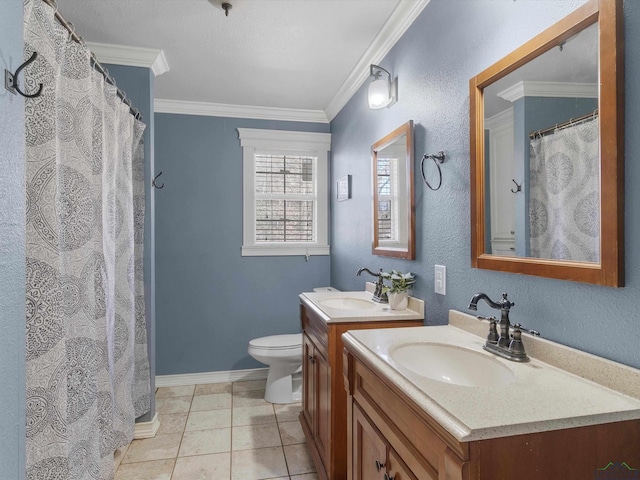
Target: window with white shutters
<point>285,192</point>
<point>285,198</point>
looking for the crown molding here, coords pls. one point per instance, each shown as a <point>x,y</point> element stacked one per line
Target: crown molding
<point>238,111</point>
<point>397,24</point>
<point>130,56</point>
<point>503,118</point>
<point>549,89</point>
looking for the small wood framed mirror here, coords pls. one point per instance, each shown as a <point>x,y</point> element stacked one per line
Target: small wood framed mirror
<point>393,194</point>
<point>547,153</point>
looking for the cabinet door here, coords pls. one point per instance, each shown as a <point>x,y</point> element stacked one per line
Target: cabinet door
<point>322,433</point>
<point>308,382</point>
<point>369,449</point>
<point>399,471</point>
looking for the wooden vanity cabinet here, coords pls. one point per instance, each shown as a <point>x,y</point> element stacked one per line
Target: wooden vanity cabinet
<point>369,448</point>
<point>324,398</point>
<point>316,396</point>
<point>388,427</point>
<point>373,457</point>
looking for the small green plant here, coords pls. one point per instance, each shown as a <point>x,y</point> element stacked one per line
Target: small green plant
<point>400,282</point>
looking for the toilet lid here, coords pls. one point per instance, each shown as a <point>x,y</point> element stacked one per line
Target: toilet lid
<point>278,342</point>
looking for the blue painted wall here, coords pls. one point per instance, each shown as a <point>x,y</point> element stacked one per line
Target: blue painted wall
<point>138,84</point>
<point>545,112</point>
<point>448,44</point>
<point>210,301</point>
<point>12,249</point>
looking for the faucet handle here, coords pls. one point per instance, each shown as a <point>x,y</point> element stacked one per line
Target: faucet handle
<point>518,327</point>
<point>492,337</point>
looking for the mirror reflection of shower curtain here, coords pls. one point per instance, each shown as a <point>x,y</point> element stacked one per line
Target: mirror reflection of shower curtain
<point>87,371</point>
<point>564,193</point>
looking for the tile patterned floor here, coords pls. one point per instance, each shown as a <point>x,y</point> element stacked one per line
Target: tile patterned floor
<point>220,431</point>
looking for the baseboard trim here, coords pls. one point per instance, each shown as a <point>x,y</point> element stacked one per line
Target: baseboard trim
<point>146,429</point>
<point>211,377</point>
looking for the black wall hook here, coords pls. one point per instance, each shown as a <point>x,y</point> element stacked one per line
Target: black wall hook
<point>153,182</point>
<point>11,79</point>
<point>518,187</point>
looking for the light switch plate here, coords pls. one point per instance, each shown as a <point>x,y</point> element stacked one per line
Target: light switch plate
<point>440,283</point>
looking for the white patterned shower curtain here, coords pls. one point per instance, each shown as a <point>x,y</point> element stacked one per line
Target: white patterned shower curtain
<point>86,347</point>
<point>564,194</point>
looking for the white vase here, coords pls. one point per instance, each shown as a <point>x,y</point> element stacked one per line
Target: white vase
<point>398,300</point>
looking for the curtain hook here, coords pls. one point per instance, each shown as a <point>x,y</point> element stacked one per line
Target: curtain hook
<point>73,30</point>
<point>109,79</point>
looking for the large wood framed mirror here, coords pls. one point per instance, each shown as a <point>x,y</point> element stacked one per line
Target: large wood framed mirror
<point>393,197</point>
<point>547,153</point>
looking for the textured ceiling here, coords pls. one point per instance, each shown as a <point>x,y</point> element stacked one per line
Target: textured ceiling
<point>268,53</point>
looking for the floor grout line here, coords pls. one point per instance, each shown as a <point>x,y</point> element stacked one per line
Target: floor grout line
<point>231,445</point>
<point>184,430</point>
<point>273,410</point>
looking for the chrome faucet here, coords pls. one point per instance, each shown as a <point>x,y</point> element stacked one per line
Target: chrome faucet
<point>378,294</point>
<point>502,344</point>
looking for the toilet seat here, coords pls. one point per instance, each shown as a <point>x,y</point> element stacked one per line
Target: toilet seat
<point>277,342</point>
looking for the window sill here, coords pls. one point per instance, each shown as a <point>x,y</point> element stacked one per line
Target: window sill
<point>284,250</point>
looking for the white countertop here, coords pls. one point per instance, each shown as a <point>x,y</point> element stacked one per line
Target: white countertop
<point>541,398</point>
<point>376,312</point>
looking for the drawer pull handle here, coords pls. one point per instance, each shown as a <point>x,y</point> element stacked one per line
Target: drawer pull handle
<point>387,477</point>
<point>379,466</point>
<point>312,359</point>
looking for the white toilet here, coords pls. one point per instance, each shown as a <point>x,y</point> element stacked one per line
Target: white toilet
<point>283,354</point>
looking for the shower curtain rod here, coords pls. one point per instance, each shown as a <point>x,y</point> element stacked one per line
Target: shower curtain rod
<point>94,61</point>
<point>558,126</point>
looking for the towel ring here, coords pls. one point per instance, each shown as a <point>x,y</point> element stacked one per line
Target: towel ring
<point>438,158</point>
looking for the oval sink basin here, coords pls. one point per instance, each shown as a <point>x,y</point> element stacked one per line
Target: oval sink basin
<point>451,364</point>
<point>347,303</point>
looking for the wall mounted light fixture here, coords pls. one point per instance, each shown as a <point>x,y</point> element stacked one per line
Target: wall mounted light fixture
<point>383,90</point>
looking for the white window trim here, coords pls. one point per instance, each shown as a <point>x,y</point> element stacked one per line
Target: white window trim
<point>318,144</point>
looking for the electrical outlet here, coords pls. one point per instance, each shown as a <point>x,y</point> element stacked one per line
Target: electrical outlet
<point>440,284</point>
